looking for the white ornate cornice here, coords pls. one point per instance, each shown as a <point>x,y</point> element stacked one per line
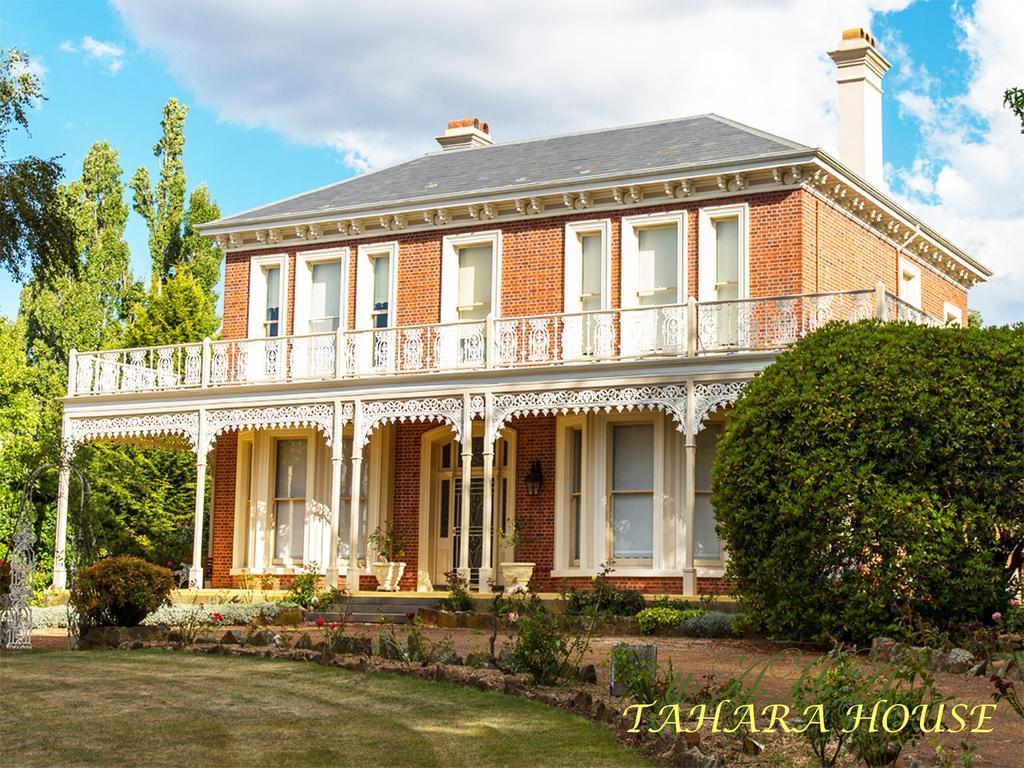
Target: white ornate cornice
<point>319,416</point>
<point>126,428</point>
<point>377,412</point>
<point>710,397</point>
<point>670,399</point>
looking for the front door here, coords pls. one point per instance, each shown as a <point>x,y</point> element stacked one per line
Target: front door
<point>476,527</point>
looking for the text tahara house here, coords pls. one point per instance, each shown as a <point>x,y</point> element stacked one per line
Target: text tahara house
<point>542,334</point>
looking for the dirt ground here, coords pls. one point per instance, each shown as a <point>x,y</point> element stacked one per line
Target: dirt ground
<point>1003,748</point>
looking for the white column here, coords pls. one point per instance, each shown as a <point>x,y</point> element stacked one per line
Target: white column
<point>60,536</point>
<point>354,477</point>
<point>467,474</point>
<point>486,564</point>
<point>336,465</point>
<point>689,493</point>
<point>195,573</point>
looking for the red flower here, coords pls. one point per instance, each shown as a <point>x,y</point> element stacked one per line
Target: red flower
<point>319,622</point>
<point>217,616</point>
<point>333,626</point>
<point>170,564</point>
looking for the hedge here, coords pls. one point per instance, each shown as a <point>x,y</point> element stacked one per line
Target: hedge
<point>869,481</point>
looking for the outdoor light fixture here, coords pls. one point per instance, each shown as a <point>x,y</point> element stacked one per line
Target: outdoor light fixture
<point>533,479</point>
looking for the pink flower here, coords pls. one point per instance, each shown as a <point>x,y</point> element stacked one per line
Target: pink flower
<point>319,622</point>
<point>997,616</point>
<point>513,617</point>
<point>1015,603</point>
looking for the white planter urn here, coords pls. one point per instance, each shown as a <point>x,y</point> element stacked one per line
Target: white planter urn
<point>388,575</point>
<point>516,576</point>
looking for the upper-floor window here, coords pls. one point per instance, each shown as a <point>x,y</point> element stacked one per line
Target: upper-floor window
<point>910,283</point>
<point>325,301</point>
<point>470,276</point>
<point>952,315</point>
<point>376,285</point>
<point>653,261</point>
<point>475,265</point>
<point>268,296</point>
<point>723,260</point>
<point>587,268</point>
<point>272,314</point>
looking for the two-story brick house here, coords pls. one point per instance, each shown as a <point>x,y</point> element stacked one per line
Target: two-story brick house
<point>564,321</point>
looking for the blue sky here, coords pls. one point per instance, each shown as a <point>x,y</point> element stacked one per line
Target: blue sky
<point>293,96</point>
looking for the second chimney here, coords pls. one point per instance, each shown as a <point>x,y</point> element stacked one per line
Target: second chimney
<point>466,133</point>
<point>861,68</point>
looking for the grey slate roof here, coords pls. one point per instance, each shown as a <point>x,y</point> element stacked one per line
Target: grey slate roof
<point>633,149</point>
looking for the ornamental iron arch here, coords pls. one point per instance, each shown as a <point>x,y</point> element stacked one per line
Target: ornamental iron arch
<point>15,614</point>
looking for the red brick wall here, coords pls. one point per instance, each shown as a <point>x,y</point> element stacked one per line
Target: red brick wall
<point>843,254</point>
<point>797,243</point>
<point>224,508</point>
<point>535,515</point>
<point>406,500</point>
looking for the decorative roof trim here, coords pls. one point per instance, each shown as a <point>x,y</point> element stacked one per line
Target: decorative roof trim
<point>816,172</point>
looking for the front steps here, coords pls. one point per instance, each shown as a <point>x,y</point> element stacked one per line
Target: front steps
<point>391,608</point>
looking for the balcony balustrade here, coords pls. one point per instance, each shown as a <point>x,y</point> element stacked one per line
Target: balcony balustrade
<point>692,329</point>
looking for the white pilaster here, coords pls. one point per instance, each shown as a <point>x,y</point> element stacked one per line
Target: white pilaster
<point>354,477</point>
<point>195,573</point>
<point>337,457</point>
<point>467,475</point>
<point>689,494</point>
<point>486,560</point>
<point>60,536</point>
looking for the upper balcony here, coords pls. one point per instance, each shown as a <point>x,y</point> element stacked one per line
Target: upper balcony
<point>696,328</point>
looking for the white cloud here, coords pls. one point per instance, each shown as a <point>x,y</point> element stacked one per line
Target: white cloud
<point>109,55</point>
<point>378,81</point>
<point>966,179</point>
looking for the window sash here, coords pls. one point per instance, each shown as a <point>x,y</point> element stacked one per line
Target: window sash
<point>475,275</point>
<point>632,491</point>
<point>271,320</point>
<point>658,264</point>
<point>290,468</point>
<point>727,258</point>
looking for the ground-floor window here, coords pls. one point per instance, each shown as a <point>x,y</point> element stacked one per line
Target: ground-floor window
<point>290,469</point>
<point>632,492</point>
<point>706,543</point>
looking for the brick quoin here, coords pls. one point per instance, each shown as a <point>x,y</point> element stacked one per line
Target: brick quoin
<point>798,243</point>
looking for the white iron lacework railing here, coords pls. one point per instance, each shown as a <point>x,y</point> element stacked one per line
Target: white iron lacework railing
<point>676,330</point>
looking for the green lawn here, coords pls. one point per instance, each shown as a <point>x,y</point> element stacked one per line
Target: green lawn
<point>157,708</point>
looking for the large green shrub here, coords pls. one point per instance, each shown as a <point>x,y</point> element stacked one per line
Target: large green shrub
<point>871,480</point>
<point>121,591</point>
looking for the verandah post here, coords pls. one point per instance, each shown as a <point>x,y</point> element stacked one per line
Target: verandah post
<point>337,457</point>
<point>60,534</point>
<point>467,474</point>
<point>354,478</point>
<point>486,566</point>
<point>195,573</point>
<point>689,494</point>
<point>880,300</point>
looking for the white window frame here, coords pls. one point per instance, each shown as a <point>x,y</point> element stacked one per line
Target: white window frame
<point>309,499</point>
<point>563,505</point>
<point>906,266</point>
<point>450,245</point>
<point>258,266</point>
<point>716,564</point>
<point>657,496</point>
<point>630,250</point>
<point>304,261</point>
<point>364,283</point>
<point>573,261</point>
<point>952,315</point>
<point>707,251</point>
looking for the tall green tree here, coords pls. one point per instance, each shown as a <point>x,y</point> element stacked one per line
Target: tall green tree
<point>36,233</point>
<point>84,307</point>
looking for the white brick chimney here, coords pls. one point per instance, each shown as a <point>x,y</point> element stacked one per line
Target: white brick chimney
<point>861,68</point>
<point>466,133</point>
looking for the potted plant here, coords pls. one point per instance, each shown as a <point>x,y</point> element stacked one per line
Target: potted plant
<point>388,548</point>
<point>515,575</point>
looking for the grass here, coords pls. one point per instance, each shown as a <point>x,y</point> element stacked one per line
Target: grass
<point>160,708</point>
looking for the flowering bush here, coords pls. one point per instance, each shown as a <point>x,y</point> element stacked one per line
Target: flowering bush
<point>459,597</point>
<point>121,591</point>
